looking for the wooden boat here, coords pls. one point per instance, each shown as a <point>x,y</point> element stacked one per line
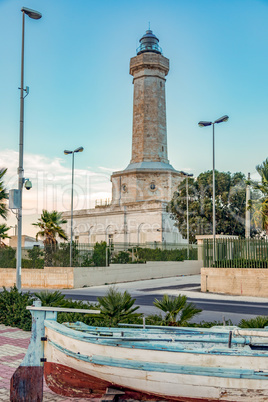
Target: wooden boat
<point>152,363</point>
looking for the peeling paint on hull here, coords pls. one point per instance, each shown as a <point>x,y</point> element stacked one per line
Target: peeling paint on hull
<point>27,384</point>
<point>72,383</point>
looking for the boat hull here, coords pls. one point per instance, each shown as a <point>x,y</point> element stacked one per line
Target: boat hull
<point>145,375</point>
<point>72,383</point>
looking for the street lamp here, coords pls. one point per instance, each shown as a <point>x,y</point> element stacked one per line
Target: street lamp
<point>187,205</point>
<point>66,152</point>
<point>36,16</point>
<point>205,124</point>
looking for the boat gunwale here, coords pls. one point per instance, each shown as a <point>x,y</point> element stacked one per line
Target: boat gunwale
<point>167,346</point>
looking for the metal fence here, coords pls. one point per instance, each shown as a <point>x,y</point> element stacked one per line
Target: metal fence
<point>236,253</point>
<point>85,254</point>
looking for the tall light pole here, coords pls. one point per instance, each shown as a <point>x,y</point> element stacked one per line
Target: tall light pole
<point>36,16</point>
<point>187,205</point>
<point>66,152</point>
<point>205,124</point>
<point>247,225</point>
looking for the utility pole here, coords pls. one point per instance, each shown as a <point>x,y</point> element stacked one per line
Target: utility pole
<point>247,222</point>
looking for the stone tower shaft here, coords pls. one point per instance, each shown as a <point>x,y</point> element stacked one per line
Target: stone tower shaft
<point>149,135</point>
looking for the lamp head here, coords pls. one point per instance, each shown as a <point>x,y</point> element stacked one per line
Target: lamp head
<point>222,119</point>
<point>80,149</point>
<point>204,123</point>
<point>66,152</point>
<point>35,15</point>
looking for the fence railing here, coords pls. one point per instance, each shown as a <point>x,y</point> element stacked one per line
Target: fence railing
<point>99,254</point>
<point>236,253</point>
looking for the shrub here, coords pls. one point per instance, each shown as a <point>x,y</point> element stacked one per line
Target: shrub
<point>7,257</point>
<point>241,263</point>
<point>174,306</point>
<point>117,306</point>
<point>35,258</point>
<point>13,308</point>
<point>257,322</point>
<point>51,298</point>
<point>99,254</point>
<point>150,254</point>
<point>122,257</point>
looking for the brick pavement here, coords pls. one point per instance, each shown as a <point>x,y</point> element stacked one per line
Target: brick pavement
<point>13,345</point>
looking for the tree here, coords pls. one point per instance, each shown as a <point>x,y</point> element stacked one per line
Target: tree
<point>50,227</point>
<point>3,195</point>
<point>99,254</point>
<point>3,234</point>
<point>230,204</point>
<point>117,306</point>
<point>259,207</point>
<point>173,306</point>
<point>51,298</point>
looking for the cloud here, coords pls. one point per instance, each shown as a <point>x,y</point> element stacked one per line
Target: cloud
<point>110,170</point>
<point>52,183</point>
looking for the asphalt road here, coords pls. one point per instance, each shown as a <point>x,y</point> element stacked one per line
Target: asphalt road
<point>214,309</point>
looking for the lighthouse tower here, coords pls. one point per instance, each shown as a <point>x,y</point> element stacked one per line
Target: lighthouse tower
<point>138,213</point>
<point>149,176</point>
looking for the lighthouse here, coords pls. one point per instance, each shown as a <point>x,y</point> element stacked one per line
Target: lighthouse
<point>138,213</point>
<point>149,175</point>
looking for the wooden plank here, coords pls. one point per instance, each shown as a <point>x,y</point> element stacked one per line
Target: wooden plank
<point>27,384</point>
<point>64,309</point>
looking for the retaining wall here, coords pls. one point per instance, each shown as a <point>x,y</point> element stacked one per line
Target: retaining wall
<point>77,277</point>
<point>235,281</point>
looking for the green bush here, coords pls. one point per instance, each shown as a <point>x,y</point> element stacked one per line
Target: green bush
<point>99,254</point>
<point>122,257</point>
<point>37,264</point>
<point>117,307</point>
<point>150,254</point>
<point>7,257</point>
<point>13,308</point>
<point>257,322</point>
<point>241,263</point>
<point>35,260</point>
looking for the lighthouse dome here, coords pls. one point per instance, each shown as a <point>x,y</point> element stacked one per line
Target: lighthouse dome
<point>149,43</point>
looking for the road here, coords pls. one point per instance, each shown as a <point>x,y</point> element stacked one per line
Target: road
<point>214,306</point>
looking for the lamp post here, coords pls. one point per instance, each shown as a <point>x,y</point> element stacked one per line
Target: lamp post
<point>36,16</point>
<point>66,152</point>
<point>187,205</point>
<point>205,124</point>
<point>247,225</point>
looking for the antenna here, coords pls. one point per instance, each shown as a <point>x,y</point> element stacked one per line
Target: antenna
<point>149,26</point>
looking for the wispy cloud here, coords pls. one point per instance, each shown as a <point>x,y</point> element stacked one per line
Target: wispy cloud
<point>52,183</point>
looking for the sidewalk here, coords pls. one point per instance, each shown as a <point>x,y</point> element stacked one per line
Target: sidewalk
<point>13,345</point>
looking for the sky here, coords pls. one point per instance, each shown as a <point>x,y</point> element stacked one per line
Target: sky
<point>77,68</point>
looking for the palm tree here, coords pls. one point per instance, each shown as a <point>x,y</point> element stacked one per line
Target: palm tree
<point>257,322</point>
<point>51,298</point>
<point>117,306</point>
<point>3,234</point>
<point>50,227</point>
<point>173,306</point>
<point>260,207</point>
<point>3,195</point>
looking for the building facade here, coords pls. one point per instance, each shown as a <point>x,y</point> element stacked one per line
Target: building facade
<point>140,193</point>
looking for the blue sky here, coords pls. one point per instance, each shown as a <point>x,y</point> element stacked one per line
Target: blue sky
<point>77,67</point>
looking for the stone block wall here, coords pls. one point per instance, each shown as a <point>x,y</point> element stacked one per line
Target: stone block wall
<point>235,281</point>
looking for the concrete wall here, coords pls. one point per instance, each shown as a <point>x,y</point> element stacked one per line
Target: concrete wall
<point>117,273</point>
<point>235,281</point>
<point>68,278</point>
